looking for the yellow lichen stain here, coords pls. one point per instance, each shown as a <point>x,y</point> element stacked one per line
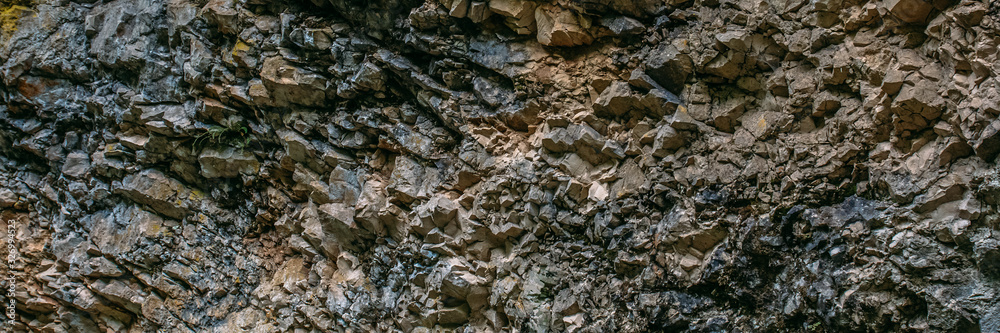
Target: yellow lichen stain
<point>9,17</point>
<point>238,49</point>
<point>681,108</point>
<point>762,123</point>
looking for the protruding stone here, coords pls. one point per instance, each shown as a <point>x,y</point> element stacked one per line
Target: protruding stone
<point>76,164</point>
<point>667,139</point>
<point>669,67</point>
<point>910,11</point>
<point>988,145</point>
<point>623,25</point>
<point>520,14</point>
<point>560,27</point>
<point>616,100</point>
<point>289,85</point>
<point>227,163</point>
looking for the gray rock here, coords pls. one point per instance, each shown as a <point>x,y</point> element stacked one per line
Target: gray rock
<point>623,25</point>
<point>76,165</point>
<point>616,100</point>
<point>227,163</point>
<point>669,67</point>
<point>161,193</point>
<point>287,84</point>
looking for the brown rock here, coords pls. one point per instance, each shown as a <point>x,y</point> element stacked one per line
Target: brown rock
<point>560,27</point>
<point>988,145</point>
<point>520,14</point>
<point>615,101</point>
<point>910,11</point>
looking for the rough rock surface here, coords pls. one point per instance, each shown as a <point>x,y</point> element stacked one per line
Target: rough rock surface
<point>501,165</point>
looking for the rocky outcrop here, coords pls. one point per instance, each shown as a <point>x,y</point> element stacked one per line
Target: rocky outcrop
<point>501,165</point>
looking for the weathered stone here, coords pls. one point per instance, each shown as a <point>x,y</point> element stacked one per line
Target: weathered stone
<point>669,67</point>
<point>623,25</point>
<point>370,77</point>
<point>418,166</point>
<point>520,14</point>
<point>910,11</point>
<point>615,101</point>
<point>227,163</point>
<point>917,105</point>
<point>287,84</point>
<point>406,179</point>
<point>560,27</point>
<point>667,140</point>
<point>660,102</point>
<point>478,11</point>
<point>223,15</point>
<point>988,145</point>
<point>119,232</point>
<point>76,165</point>
<point>161,193</point>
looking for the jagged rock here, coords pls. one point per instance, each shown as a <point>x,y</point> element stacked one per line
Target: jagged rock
<point>406,179</point>
<point>616,100</point>
<point>119,232</point>
<point>519,14</point>
<point>728,65</point>
<point>917,106</point>
<point>227,163</point>
<point>161,193</point>
<point>223,15</point>
<point>988,145</point>
<point>666,140</point>
<point>910,11</point>
<point>623,25</point>
<point>660,102</point>
<point>287,84</point>
<point>120,293</point>
<point>560,27</point>
<point>76,165</point>
<point>669,67</point>
<point>417,166</point>
<point>369,77</point>
<point>478,11</point>
<point>428,16</point>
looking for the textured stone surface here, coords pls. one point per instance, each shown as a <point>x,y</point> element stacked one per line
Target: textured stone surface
<point>500,165</point>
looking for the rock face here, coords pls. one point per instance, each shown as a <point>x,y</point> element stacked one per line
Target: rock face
<point>500,166</point>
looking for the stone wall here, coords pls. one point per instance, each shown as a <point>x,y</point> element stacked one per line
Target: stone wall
<point>501,165</point>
